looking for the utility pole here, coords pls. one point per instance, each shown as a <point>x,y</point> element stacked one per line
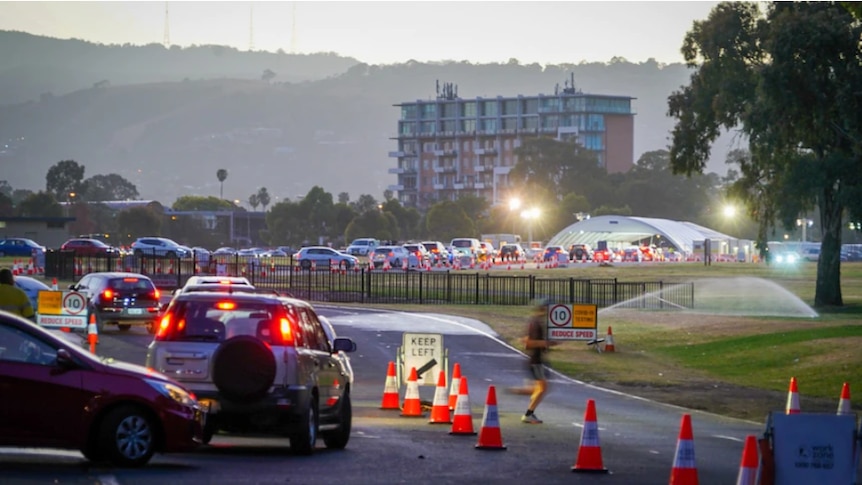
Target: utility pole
<point>166,40</point>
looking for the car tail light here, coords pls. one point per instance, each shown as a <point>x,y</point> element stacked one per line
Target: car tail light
<point>157,294</point>
<point>226,305</point>
<point>108,294</point>
<point>164,325</point>
<point>130,280</point>
<point>285,331</point>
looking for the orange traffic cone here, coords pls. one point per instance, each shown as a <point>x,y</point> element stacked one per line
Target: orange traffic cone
<point>490,437</point>
<point>590,452</point>
<point>609,341</point>
<point>440,407</point>
<point>54,286</point>
<point>684,470</point>
<point>412,405</point>
<point>748,465</point>
<point>390,389</point>
<point>455,386</point>
<point>792,398</point>
<point>463,421</point>
<point>844,402</point>
<point>92,333</point>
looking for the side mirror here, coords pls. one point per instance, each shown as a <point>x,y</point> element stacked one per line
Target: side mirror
<point>73,287</point>
<point>64,359</point>
<point>344,344</point>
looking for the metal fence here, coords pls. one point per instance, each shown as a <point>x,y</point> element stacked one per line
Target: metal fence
<point>361,285</point>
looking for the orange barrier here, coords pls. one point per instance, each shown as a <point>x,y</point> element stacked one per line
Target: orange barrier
<point>684,470</point>
<point>748,465</point>
<point>844,401</point>
<point>590,451</point>
<point>455,386</point>
<point>412,405</point>
<point>792,398</point>
<point>462,423</point>
<point>440,406</point>
<point>609,341</point>
<point>92,333</point>
<point>390,389</point>
<point>490,437</point>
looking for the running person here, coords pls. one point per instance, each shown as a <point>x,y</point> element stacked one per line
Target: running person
<point>537,344</point>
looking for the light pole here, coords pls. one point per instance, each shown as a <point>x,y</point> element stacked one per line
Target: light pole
<point>529,215</point>
<point>514,204</point>
<point>805,224</point>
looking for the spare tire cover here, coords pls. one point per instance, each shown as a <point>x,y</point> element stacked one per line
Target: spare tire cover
<point>243,368</point>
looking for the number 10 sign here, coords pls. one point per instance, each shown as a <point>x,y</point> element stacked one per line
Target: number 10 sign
<point>572,322</point>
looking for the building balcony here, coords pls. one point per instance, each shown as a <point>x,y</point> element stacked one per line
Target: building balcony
<point>401,170</point>
<point>396,188</point>
<point>444,169</point>
<point>502,170</point>
<point>439,186</point>
<point>479,185</point>
<point>485,151</point>
<point>396,154</point>
<point>458,185</point>
<point>482,168</point>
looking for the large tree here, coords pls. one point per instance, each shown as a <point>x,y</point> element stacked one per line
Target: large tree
<point>221,175</point>
<point>263,197</point>
<point>40,204</point>
<point>109,187</point>
<point>790,81</point>
<point>65,180</point>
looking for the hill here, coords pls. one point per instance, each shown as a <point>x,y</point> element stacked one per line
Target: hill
<point>167,119</point>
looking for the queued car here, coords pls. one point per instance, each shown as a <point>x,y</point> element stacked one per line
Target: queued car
<point>396,256</point>
<point>786,258</point>
<point>88,247</point>
<point>554,253</point>
<point>324,256</point>
<point>20,247</point>
<point>512,252</point>
<point>121,299</point>
<point>160,247</point>
<point>32,287</point>
<point>419,252</point>
<point>473,245</point>
<point>437,252</point>
<point>262,364</point>
<point>61,396</point>
<point>580,252</point>
<point>362,246</point>
<point>224,251</point>
<point>488,251</point>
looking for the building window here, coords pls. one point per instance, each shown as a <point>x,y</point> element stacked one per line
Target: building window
<point>468,126</point>
<point>429,110</point>
<point>547,105</point>
<point>448,110</point>
<point>549,121</point>
<point>449,126</point>
<point>489,108</point>
<point>530,106</point>
<point>506,144</point>
<point>510,107</point>
<point>596,123</point>
<point>468,109</point>
<point>429,127</point>
<point>530,123</point>
<point>408,112</point>
<point>407,128</point>
<point>468,145</point>
<point>489,126</point>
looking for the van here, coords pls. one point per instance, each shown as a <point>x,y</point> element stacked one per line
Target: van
<point>467,243</point>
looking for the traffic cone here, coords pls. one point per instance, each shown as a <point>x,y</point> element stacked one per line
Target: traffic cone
<point>748,465</point>
<point>54,286</point>
<point>462,423</point>
<point>440,407</point>
<point>490,437</point>
<point>792,398</point>
<point>590,451</point>
<point>684,470</point>
<point>455,386</point>
<point>412,405</point>
<point>844,402</point>
<point>609,341</point>
<point>390,389</point>
<point>92,333</point>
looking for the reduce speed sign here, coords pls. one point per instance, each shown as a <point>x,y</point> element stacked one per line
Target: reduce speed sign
<point>560,316</point>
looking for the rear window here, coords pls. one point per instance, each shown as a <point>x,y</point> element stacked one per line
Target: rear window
<point>131,284</point>
<point>462,243</point>
<point>218,320</point>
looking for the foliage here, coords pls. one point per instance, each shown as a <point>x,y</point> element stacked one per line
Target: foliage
<point>7,207</point>
<point>558,166</point>
<point>82,224</point>
<point>138,222</point>
<point>446,220</point>
<point>253,201</point>
<point>64,179</point>
<point>200,203</point>
<point>109,187</point>
<point>263,197</point>
<point>40,204</point>
<point>376,224</point>
<point>364,204</point>
<point>790,80</point>
<point>221,175</point>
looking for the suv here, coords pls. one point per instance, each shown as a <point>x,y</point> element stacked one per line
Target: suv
<point>160,246</point>
<point>261,363</point>
<point>362,246</point>
<point>469,244</point>
<point>122,299</point>
<point>512,252</point>
<point>580,252</point>
<point>437,251</point>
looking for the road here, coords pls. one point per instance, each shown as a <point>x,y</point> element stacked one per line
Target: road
<point>638,438</point>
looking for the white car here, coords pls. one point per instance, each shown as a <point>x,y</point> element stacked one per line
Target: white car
<point>160,246</point>
<point>362,246</point>
<point>395,255</point>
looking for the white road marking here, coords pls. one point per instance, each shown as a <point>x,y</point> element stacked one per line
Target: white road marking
<point>41,451</point>
<point>731,438</point>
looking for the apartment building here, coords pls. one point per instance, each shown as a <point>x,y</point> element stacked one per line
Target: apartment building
<point>452,146</point>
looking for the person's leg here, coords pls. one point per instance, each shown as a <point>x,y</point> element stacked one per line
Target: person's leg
<point>539,389</point>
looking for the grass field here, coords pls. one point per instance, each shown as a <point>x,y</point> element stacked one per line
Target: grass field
<point>733,355</point>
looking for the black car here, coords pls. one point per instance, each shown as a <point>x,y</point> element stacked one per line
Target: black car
<point>122,299</point>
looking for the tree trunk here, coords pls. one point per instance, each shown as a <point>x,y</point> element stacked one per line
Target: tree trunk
<point>828,289</point>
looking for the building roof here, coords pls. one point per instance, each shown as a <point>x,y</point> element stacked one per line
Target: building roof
<point>631,230</point>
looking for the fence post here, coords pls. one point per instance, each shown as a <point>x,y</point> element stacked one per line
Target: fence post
<point>420,288</point>
<point>571,290</point>
<point>615,293</point>
<point>477,289</point>
<point>532,287</point>
<point>448,286</point>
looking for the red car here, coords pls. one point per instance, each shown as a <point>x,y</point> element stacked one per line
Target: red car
<point>85,247</point>
<point>56,395</point>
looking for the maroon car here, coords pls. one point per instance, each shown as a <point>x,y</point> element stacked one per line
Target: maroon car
<point>87,247</point>
<point>56,395</point>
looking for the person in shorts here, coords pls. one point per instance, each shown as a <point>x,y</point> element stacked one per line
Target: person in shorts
<point>537,344</point>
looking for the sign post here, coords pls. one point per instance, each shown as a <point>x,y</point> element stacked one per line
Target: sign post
<point>572,322</point>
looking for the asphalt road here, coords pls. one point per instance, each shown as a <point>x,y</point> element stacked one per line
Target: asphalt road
<point>638,438</point>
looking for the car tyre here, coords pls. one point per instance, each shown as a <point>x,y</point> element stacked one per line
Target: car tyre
<point>338,439</point>
<point>344,265</point>
<point>243,369</point>
<point>305,264</point>
<point>93,453</point>
<point>302,442</point>
<point>396,263</point>
<point>128,437</point>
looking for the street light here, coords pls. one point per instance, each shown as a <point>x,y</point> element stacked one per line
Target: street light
<point>514,204</point>
<point>529,215</point>
<point>804,224</point>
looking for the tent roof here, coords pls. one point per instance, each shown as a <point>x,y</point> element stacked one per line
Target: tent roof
<point>624,230</point>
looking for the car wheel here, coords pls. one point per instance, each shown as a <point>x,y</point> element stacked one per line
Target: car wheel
<point>93,453</point>
<point>151,327</point>
<point>396,263</point>
<point>302,442</point>
<point>305,264</point>
<point>127,437</point>
<point>344,265</point>
<point>124,327</point>
<point>338,439</point>
<point>209,431</point>
<point>139,253</point>
<point>243,368</point>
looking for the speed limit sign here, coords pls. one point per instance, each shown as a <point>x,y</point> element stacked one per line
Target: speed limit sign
<point>74,303</point>
<point>560,315</point>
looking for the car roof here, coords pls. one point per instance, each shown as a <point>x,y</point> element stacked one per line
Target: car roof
<point>247,296</point>
<point>118,274</point>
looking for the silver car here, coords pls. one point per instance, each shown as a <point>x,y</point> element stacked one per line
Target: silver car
<point>324,256</point>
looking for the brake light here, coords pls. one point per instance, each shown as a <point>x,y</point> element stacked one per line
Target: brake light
<point>226,305</point>
<point>163,327</point>
<point>157,294</point>
<point>108,294</point>
<point>286,333</point>
<point>130,280</point>
<point>224,282</point>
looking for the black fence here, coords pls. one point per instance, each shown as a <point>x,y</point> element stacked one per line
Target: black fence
<point>361,285</point>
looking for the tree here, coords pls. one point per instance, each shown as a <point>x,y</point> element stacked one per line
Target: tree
<point>200,203</point>
<point>447,220</point>
<point>19,195</point>
<point>40,204</point>
<point>365,203</point>
<point>790,81</point>
<point>253,201</point>
<point>109,187</point>
<point>263,197</point>
<point>559,167</point>
<point>5,188</point>
<point>64,179</point>
<point>138,221</point>
<point>221,174</point>
<point>7,207</point>
<point>343,198</point>
<point>268,75</point>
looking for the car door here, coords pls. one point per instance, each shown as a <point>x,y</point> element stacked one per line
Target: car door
<point>41,403</point>
<point>330,382</point>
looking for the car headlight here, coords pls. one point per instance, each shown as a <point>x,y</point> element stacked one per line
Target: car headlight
<point>174,392</point>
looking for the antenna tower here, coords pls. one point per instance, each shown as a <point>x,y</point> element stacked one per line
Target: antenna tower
<point>293,39</point>
<point>251,28</point>
<point>167,35</point>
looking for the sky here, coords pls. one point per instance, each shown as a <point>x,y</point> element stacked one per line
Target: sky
<point>385,32</point>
